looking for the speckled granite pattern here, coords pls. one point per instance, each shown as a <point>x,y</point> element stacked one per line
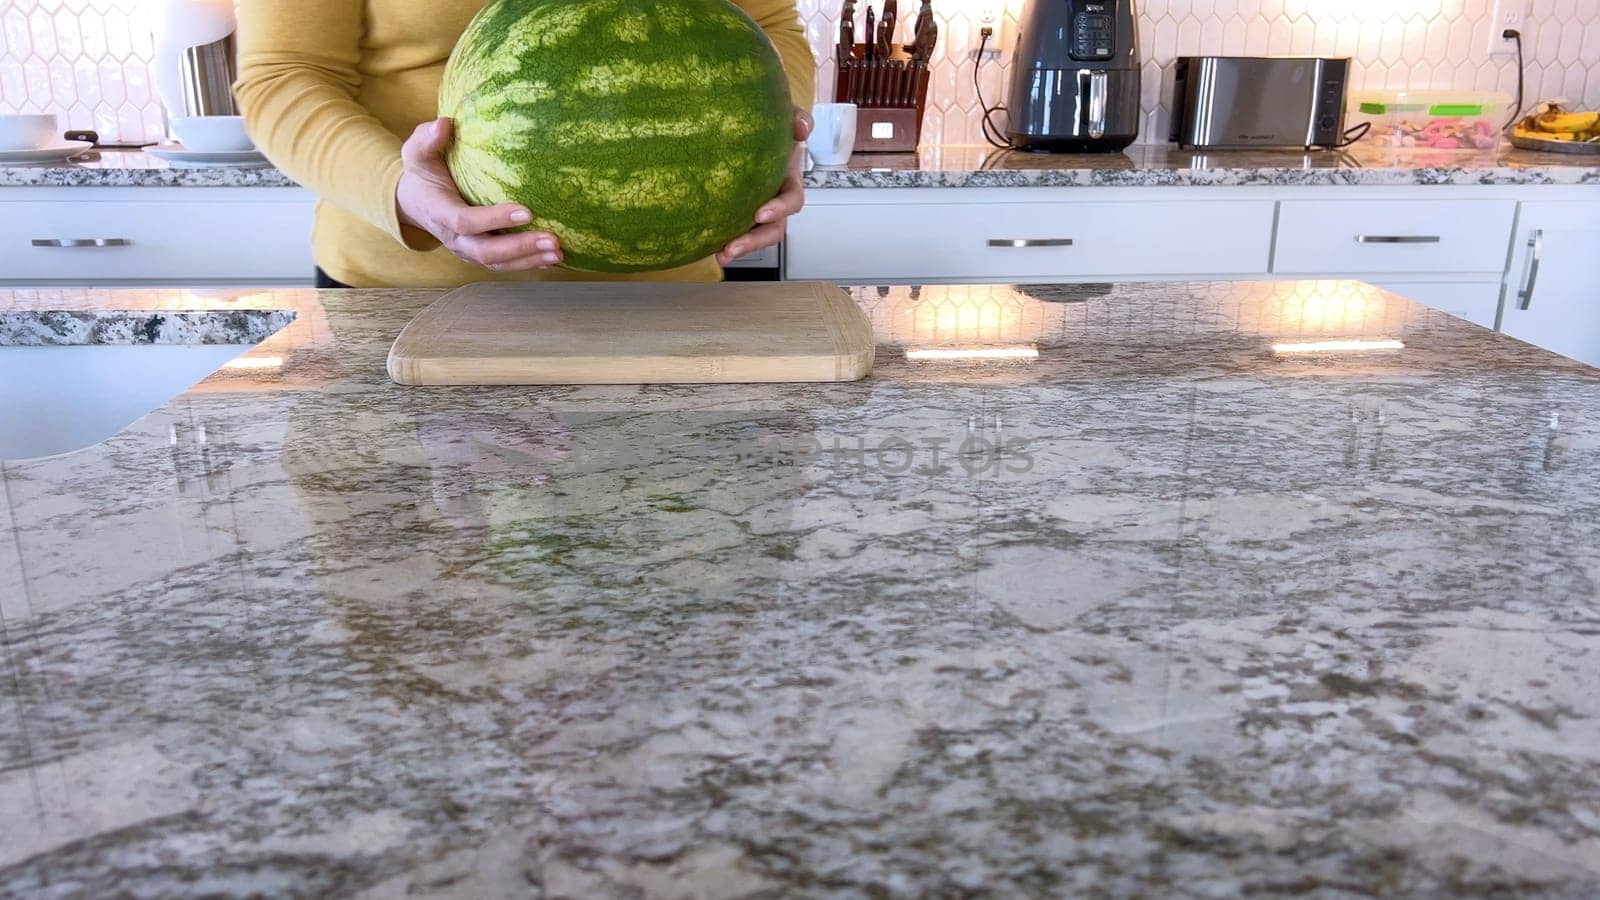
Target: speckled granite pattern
<point>1163,612</point>
<point>1168,166</point>
<point>125,168</point>
<point>969,166</point>
<point>78,327</point>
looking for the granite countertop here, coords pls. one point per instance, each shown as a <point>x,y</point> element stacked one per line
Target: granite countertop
<point>1165,165</point>
<point>132,168</point>
<point>1162,611</point>
<point>979,166</point>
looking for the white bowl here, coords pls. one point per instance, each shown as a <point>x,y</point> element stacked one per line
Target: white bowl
<point>27,132</point>
<point>212,134</point>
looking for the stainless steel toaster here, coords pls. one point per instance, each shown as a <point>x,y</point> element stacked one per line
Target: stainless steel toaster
<point>1256,101</point>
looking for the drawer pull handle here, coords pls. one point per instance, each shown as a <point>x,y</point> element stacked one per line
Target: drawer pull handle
<point>1030,242</point>
<point>1535,244</point>
<point>1397,239</point>
<point>82,242</point>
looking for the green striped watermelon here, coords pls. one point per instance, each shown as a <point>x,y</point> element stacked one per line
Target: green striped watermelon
<point>644,134</point>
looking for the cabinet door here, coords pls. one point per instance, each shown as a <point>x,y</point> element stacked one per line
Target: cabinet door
<point>1553,290</point>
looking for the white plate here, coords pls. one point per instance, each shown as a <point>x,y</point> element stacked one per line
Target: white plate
<point>177,153</point>
<point>60,151</point>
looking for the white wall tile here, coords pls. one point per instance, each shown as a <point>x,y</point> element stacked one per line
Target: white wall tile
<point>89,60</point>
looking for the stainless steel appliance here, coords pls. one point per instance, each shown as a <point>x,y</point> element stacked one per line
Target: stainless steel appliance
<point>209,71</point>
<point>1075,77</point>
<point>1255,101</point>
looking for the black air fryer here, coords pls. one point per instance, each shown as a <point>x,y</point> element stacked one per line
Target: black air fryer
<point>1075,77</point>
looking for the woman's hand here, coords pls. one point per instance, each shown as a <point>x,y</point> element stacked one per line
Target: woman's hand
<point>772,218</point>
<point>428,199</point>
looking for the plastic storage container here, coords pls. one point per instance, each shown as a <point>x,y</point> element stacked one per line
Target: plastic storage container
<point>1433,120</point>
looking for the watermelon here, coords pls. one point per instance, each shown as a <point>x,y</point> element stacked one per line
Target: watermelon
<point>644,134</point>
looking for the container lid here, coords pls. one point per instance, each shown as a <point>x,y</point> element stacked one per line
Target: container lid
<point>1447,104</point>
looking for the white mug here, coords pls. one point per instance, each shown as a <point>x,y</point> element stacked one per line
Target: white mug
<point>28,132</point>
<point>833,138</point>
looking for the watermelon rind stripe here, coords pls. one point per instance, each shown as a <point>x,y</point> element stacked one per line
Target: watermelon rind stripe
<point>643,134</point>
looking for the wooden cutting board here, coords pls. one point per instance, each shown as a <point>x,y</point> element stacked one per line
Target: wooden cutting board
<point>635,333</point>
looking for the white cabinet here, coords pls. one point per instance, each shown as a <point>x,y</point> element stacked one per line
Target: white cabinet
<point>1393,236</point>
<point>168,236</point>
<point>1552,290</point>
<point>1009,236</point>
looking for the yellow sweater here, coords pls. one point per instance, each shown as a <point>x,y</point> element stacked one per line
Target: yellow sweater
<point>331,88</point>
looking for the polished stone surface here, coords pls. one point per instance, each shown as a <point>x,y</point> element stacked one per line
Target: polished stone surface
<point>1164,165</point>
<point>1169,610</point>
<point>131,168</point>
<point>979,166</point>
<point>91,326</point>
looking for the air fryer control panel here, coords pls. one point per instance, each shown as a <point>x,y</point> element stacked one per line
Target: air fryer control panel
<point>1094,30</point>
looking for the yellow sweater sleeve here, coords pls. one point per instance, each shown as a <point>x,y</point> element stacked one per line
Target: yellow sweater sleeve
<point>300,89</point>
<point>780,19</point>
<point>298,82</point>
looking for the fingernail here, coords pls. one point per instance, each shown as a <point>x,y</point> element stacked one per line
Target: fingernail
<point>546,244</point>
<point>735,251</point>
<point>764,216</point>
<point>522,217</point>
<point>550,259</point>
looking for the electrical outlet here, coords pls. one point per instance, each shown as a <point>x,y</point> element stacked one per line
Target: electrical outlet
<point>990,14</point>
<point>1509,15</point>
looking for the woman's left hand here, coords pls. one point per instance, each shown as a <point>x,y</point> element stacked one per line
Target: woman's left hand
<point>773,216</point>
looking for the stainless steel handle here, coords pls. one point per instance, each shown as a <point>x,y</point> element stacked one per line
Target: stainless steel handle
<point>1099,87</point>
<point>1536,244</point>
<point>82,242</point>
<point>1397,239</point>
<point>1030,242</point>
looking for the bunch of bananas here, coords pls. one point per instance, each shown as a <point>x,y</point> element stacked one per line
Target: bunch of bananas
<point>1555,123</point>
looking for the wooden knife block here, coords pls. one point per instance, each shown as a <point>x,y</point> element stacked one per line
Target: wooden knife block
<point>884,123</point>
<point>887,130</point>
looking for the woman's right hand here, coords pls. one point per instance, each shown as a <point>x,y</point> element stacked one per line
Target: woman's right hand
<point>428,199</point>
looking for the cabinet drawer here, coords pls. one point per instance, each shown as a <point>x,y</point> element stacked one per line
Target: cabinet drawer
<point>1444,236</point>
<point>170,241</point>
<point>1000,241</point>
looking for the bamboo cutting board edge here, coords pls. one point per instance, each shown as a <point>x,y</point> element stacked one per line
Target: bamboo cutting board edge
<point>836,346</point>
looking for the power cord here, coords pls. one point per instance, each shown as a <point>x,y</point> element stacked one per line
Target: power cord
<point>1351,136</point>
<point>991,132</point>
<point>1511,34</point>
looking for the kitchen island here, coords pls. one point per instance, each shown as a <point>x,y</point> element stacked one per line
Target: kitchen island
<point>1165,589</point>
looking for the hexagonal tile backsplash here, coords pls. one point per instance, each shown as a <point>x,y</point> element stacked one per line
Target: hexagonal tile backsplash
<point>1395,44</point>
<point>85,60</point>
<point>89,60</point>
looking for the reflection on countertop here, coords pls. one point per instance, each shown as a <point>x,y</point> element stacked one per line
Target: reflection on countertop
<point>1157,165</point>
<point>1159,608</point>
